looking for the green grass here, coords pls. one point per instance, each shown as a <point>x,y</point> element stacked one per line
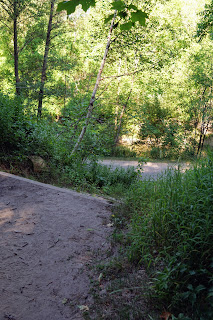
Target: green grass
<point>172,232</point>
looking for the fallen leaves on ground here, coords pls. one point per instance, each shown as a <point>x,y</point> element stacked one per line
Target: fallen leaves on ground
<point>166,315</point>
<point>83,308</point>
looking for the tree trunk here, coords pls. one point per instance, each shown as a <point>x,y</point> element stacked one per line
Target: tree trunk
<point>15,41</point>
<point>92,100</point>
<point>120,121</point>
<point>118,92</point>
<point>118,126</point>
<point>65,92</point>
<point>204,130</point>
<point>44,67</point>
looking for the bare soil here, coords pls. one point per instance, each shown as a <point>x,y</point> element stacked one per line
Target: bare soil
<point>49,236</point>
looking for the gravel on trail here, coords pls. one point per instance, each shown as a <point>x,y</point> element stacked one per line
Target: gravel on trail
<point>48,238</point>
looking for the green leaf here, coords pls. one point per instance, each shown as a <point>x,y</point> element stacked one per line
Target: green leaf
<point>200,288</point>
<point>86,4</point>
<point>116,25</point>
<point>132,7</point>
<point>127,26</point>
<point>64,301</point>
<point>122,14</point>
<point>139,16</point>
<point>118,5</point>
<point>71,5</point>
<point>109,18</point>
<point>190,287</point>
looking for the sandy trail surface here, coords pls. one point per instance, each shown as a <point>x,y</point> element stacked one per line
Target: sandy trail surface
<point>48,238</point>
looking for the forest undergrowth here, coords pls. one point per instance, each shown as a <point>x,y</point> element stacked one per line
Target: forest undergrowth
<point>163,228</point>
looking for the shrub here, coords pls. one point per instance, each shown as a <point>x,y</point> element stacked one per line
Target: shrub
<point>155,153</point>
<point>94,176</point>
<point>123,151</point>
<point>11,124</point>
<point>23,135</point>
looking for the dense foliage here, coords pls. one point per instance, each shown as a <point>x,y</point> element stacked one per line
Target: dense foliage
<point>154,94</point>
<point>121,78</point>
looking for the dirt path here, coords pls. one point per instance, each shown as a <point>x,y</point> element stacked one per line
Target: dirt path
<point>48,237</point>
<point>150,169</point>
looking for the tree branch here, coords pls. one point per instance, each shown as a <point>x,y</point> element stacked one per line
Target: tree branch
<point>123,75</point>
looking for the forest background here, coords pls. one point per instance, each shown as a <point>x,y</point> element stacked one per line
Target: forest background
<point>154,97</point>
<point>119,78</point>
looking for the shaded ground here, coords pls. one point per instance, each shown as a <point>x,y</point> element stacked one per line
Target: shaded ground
<point>48,237</point>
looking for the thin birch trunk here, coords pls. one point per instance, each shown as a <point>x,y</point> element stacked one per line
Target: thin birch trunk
<point>44,67</point>
<point>15,40</point>
<point>118,92</point>
<point>120,120</point>
<point>118,126</point>
<point>65,92</point>
<point>92,100</point>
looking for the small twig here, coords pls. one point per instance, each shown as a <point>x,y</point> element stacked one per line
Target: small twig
<point>123,75</point>
<point>54,243</point>
<point>105,88</point>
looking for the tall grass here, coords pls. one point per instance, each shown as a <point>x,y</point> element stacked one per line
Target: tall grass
<point>94,177</point>
<point>172,231</point>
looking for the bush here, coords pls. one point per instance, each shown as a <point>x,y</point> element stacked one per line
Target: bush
<point>105,176</point>
<point>172,230</point>
<point>22,135</point>
<point>11,124</point>
<point>123,151</point>
<point>96,177</point>
<point>155,153</point>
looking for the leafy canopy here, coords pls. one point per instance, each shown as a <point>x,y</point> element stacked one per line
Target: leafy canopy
<point>130,13</point>
<point>205,26</point>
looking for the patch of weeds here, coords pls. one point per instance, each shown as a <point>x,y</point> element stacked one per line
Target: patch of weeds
<point>171,230</point>
<point>122,292</point>
<point>120,217</point>
<point>118,237</point>
<point>114,267</point>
